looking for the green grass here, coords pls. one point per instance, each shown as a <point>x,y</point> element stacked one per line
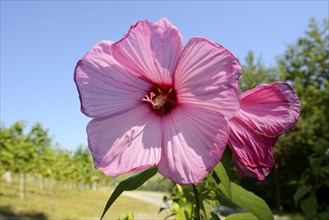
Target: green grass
<point>60,203</point>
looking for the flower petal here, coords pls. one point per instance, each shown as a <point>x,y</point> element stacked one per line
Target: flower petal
<point>150,50</point>
<point>207,75</point>
<point>194,140</point>
<point>252,152</point>
<point>257,172</point>
<point>105,87</point>
<point>271,109</point>
<point>127,142</point>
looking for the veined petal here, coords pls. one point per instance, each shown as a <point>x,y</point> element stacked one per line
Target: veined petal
<point>127,142</point>
<point>252,152</point>
<point>258,172</point>
<point>207,75</point>
<point>270,109</point>
<point>194,140</point>
<point>105,87</point>
<point>150,50</point>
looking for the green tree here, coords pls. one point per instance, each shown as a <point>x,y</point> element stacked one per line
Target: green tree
<point>84,165</point>
<point>254,72</point>
<point>43,155</point>
<point>85,172</point>
<point>63,167</point>
<point>16,152</point>
<point>302,154</point>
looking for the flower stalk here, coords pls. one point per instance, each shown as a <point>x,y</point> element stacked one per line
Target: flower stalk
<point>197,203</point>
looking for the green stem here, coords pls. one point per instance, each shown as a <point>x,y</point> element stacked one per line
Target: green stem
<point>197,203</point>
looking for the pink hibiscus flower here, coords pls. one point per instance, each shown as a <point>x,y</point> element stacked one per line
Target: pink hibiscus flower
<point>266,112</point>
<point>155,102</point>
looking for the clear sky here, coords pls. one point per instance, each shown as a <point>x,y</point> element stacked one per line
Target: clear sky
<point>41,42</point>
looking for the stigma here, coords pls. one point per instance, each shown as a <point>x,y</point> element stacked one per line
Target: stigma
<point>157,102</point>
<point>162,101</point>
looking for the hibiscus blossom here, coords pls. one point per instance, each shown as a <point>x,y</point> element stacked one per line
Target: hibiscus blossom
<point>266,112</point>
<point>155,102</point>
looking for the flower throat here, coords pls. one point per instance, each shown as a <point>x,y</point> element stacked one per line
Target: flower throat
<point>162,100</point>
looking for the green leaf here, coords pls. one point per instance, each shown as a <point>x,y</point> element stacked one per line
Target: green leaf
<point>315,163</point>
<point>309,206</point>
<point>184,213</point>
<point>224,200</point>
<point>131,183</point>
<point>241,216</point>
<point>227,159</point>
<point>325,169</point>
<point>324,215</point>
<point>221,172</point>
<point>175,207</point>
<point>302,191</point>
<point>250,202</point>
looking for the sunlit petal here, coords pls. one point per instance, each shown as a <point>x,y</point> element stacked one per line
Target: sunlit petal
<point>194,140</point>
<point>207,75</point>
<point>150,50</point>
<point>270,109</point>
<point>127,142</point>
<point>105,87</point>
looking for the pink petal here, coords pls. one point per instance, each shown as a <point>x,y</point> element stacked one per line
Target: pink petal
<point>127,142</point>
<point>194,139</point>
<point>207,75</point>
<point>271,109</point>
<point>257,172</point>
<point>105,87</point>
<point>150,50</point>
<point>252,152</point>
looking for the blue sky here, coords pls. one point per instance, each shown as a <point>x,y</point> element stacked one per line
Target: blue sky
<point>41,43</point>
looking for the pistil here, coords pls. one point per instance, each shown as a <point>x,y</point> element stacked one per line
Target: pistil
<point>161,100</point>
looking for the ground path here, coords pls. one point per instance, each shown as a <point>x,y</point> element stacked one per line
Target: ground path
<point>155,198</point>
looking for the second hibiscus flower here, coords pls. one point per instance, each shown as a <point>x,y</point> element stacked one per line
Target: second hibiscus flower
<point>156,102</point>
<point>266,112</point>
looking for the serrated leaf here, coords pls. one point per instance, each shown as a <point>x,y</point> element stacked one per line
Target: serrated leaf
<point>241,216</point>
<point>250,202</point>
<point>131,183</point>
<point>221,173</point>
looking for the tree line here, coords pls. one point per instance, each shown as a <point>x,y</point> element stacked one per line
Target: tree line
<point>33,153</point>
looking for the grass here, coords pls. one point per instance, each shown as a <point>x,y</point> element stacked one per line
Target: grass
<point>60,203</point>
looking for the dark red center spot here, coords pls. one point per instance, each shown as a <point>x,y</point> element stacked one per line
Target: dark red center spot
<point>162,99</point>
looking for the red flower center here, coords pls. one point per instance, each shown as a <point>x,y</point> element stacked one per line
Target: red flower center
<point>162,99</point>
